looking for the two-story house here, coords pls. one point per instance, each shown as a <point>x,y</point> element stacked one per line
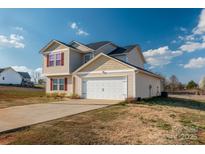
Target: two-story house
<point>101,70</point>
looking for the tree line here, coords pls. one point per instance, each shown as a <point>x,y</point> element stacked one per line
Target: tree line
<point>173,84</point>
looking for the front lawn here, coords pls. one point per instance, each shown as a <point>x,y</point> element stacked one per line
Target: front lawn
<point>153,121</point>
<point>15,96</point>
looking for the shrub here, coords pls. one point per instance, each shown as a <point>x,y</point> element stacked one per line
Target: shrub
<point>191,85</point>
<point>74,96</point>
<point>56,95</point>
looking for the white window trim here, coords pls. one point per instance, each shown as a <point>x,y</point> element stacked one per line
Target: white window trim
<point>58,84</point>
<point>54,51</point>
<point>55,59</point>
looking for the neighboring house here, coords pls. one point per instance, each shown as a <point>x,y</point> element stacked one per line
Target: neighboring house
<point>10,76</point>
<point>99,70</point>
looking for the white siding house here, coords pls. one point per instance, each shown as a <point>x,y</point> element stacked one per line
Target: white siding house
<point>10,76</point>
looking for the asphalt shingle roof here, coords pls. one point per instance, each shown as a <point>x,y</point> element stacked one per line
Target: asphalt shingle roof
<point>97,45</point>
<point>121,50</point>
<point>139,68</point>
<point>25,75</point>
<point>1,70</point>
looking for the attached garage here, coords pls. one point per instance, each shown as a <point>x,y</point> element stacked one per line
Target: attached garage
<point>114,88</point>
<point>104,77</point>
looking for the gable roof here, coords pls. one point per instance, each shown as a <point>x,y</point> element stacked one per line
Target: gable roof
<point>139,68</point>
<point>126,49</point>
<point>120,61</point>
<point>25,75</point>
<point>79,43</point>
<point>50,43</point>
<point>121,50</point>
<point>22,74</point>
<point>96,57</point>
<point>97,45</point>
<point>1,70</point>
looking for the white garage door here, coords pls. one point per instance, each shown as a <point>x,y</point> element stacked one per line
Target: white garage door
<point>105,88</point>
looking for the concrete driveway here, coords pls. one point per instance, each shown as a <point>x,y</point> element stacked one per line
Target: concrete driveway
<point>21,116</point>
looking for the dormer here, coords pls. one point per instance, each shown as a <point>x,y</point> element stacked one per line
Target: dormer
<point>131,54</point>
<point>80,46</point>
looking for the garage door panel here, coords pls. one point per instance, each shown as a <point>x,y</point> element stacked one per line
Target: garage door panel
<point>105,88</point>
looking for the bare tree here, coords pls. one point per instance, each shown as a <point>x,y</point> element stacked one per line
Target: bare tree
<point>36,76</point>
<point>174,83</point>
<point>202,83</point>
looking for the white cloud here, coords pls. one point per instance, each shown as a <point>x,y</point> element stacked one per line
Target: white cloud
<point>196,63</point>
<point>39,70</point>
<point>19,28</point>
<point>192,42</point>
<point>203,38</point>
<point>200,28</point>
<point>161,56</point>
<point>196,40</point>
<point>183,29</point>
<point>73,25</point>
<point>78,30</point>
<point>190,37</point>
<point>181,37</point>
<point>81,32</point>
<point>174,41</point>
<point>192,46</point>
<point>12,41</point>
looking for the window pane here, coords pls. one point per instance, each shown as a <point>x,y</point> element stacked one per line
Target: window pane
<point>55,87</point>
<point>58,62</point>
<point>61,87</point>
<point>55,84</point>
<point>61,84</point>
<point>51,63</point>
<point>58,59</point>
<point>61,81</point>
<point>51,57</point>
<point>55,81</point>
<point>51,60</point>
<point>58,56</point>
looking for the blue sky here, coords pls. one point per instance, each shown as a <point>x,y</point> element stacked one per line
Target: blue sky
<point>173,40</point>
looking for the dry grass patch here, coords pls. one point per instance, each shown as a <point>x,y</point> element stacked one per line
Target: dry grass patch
<point>15,96</point>
<point>144,123</point>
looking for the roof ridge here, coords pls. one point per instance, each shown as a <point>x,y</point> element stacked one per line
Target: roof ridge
<point>138,67</point>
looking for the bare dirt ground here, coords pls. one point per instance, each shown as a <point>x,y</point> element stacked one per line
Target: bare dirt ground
<point>152,121</point>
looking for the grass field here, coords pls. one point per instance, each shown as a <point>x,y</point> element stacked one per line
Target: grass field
<point>153,121</point>
<point>15,96</point>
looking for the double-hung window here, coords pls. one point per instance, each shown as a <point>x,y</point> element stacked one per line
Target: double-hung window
<point>58,84</point>
<point>51,59</point>
<point>55,59</point>
<point>61,84</point>
<point>55,84</point>
<point>58,59</point>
